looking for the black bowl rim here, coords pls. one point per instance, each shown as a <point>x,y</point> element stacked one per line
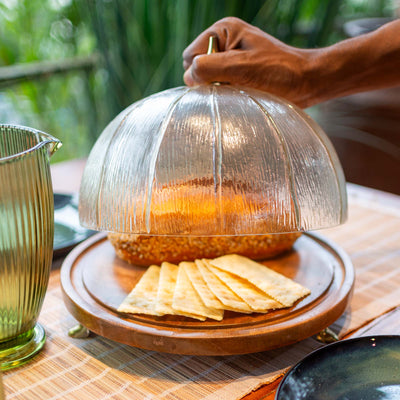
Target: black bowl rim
<point>339,343</point>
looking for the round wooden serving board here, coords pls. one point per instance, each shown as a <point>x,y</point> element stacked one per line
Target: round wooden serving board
<point>95,282</point>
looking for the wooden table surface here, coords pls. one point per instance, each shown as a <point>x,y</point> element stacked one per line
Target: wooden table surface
<point>66,178</point>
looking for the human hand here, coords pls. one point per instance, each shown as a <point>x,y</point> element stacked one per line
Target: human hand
<point>249,57</point>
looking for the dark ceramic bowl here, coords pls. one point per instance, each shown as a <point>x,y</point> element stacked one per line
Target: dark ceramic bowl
<point>67,230</point>
<point>365,368</point>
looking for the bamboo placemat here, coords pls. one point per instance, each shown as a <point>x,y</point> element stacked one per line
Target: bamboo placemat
<point>98,368</point>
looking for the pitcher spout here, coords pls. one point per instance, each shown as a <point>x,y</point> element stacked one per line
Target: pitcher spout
<point>52,144</point>
<point>18,142</point>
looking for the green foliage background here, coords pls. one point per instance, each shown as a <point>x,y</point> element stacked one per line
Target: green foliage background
<point>140,43</point>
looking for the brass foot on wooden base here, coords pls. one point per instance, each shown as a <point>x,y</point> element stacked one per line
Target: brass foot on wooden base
<point>327,336</point>
<point>79,332</point>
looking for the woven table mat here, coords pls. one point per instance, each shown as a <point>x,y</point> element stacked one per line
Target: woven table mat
<point>98,368</point>
<point>371,238</point>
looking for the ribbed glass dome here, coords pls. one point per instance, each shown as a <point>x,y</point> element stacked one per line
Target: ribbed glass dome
<point>212,160</point>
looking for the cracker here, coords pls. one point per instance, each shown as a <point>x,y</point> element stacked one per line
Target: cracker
<point>196,278</point>
<point>187,300</point>
<point>254,297</point>
<point>228,298</point>
<point>279,287</point>
<point>143,297</point>
<point>166,288</point>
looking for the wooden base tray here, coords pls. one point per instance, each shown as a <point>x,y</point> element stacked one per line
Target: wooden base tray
<point>95,281</point>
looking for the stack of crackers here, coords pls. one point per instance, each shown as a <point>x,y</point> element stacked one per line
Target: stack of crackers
<point>205,288</point>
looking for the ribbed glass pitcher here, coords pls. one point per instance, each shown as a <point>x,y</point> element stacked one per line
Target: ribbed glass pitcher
<point>26,239</point>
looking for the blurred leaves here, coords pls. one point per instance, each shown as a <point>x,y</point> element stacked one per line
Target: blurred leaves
<point>142,41</point>
<point>141,44</point>
<point>33,30</point>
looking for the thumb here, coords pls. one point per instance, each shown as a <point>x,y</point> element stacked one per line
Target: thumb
<point>208,68</point>
<point>187,77</point>
<point>192,76</point>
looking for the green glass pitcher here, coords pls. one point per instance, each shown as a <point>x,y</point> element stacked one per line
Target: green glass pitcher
<point>26,239</point>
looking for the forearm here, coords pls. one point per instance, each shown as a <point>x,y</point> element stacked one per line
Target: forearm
<point>368,62</point>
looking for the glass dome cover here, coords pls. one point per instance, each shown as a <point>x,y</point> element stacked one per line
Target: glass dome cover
<point>212,160</point>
